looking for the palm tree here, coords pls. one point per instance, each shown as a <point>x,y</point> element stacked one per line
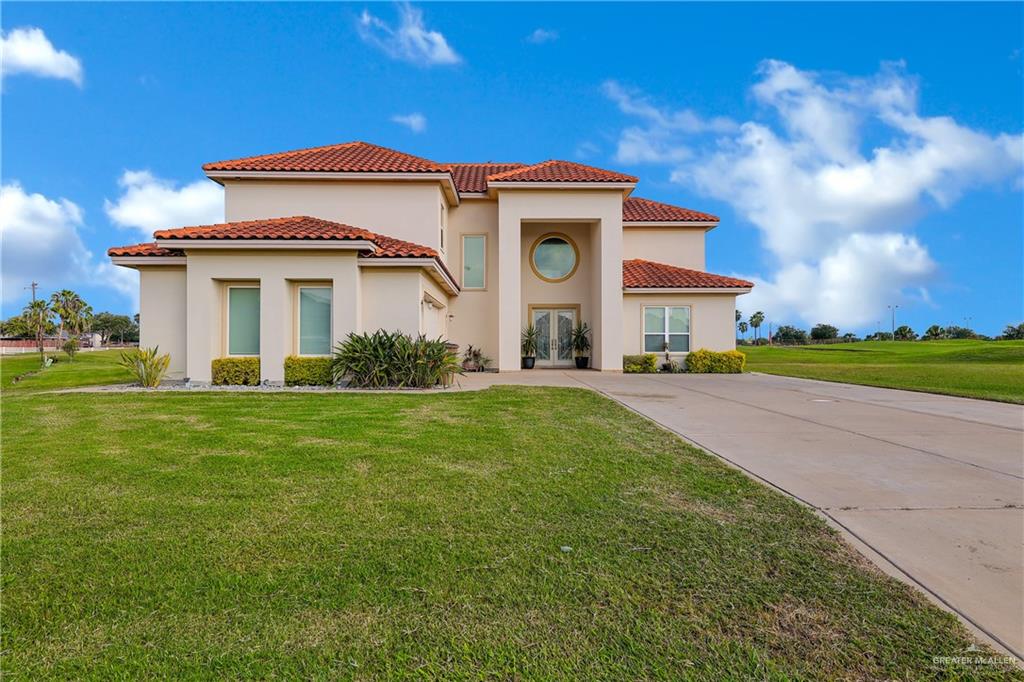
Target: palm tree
<point>74,313</point>
<point>755,322</point>
<point>38,316</point>
<point>743,329</point>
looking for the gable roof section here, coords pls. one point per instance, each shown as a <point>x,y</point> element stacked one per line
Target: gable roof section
<point>472,177</point>
<point>637,210</point>
<point>560,171</point>
<point>645,274</point>
<point>348,157</point>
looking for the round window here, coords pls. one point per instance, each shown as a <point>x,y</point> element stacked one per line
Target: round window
<point>554,258</point>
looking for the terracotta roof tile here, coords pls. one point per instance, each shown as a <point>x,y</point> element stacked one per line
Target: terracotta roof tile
<point>146,249</point>
<point>645,274</point>
<point>635,209</point>
<point>294,227</point>
<point>349,157</point>
<point>560,171</point>
<point>472,177</point>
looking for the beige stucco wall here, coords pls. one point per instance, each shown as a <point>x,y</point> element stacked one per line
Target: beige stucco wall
<point>600,208</point>
<point>163,314</point>
<point>210,271</point>
<point>475,312</point>
<point>712,319</point>
<point>680,246</point>
<point>403,210</point>
<point>391,299</point>
<point>574,291</point>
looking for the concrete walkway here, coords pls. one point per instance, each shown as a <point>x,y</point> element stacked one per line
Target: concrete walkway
<point>930,488</point>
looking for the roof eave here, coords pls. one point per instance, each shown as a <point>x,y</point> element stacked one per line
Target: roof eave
<point>686,290</point>
<point>274,244</point>
<point>136,261</point>
<point>706,224</point>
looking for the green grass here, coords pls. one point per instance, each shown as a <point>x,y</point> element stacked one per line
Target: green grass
<point>88,369</point>
<point>385,536</point>
<point>993,370</point>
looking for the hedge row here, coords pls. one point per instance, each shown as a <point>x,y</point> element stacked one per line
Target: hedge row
<point>640,364</point>
<point>701,361</point>
<point>305,371</point>
<point>236,371</point>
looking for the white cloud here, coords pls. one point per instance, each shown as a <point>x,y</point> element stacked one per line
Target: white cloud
<point>28,50</point>
<point>41,242</point>
<point>148,203</point>
<point>409,41</point>
<point>542,35</point>
<point>415,121</point>
<point>830,207</point>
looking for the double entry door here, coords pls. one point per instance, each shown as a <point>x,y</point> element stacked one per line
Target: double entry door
<point>554,335</point>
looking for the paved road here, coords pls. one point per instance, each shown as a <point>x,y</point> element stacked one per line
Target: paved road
<point>931,488</point>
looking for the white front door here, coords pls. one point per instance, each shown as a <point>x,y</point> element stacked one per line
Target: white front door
<point>554,336</point>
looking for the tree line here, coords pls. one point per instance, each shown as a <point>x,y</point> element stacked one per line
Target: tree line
<point>789,334</point>
<point>66,316</point>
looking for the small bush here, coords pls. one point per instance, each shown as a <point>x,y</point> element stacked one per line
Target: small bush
<point>640,364</point>
<point>302,371</point>
<point>394,360</point>
<point>146,365</point>
<point>71,348</point>
<point>236,371</point>
<point>704,361</point>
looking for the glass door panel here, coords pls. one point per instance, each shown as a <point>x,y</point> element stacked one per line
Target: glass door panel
<point>542,323</point>
<point>566,320</point>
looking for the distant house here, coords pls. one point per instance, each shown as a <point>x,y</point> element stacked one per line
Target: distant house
<point>355,237</point>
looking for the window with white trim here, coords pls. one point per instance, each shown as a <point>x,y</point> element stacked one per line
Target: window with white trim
<point>666,328</point>
<point>243,320</point>
<point>314,320</point>
<point>474,261</point>
<point>444,224</point>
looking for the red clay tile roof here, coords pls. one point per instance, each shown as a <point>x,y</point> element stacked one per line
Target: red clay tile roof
<point>645,274</point>
<point>146,249</point>
<point>349,157</point>
<point>637,210</point>
<point>560,171</point>
<point>472,177</point>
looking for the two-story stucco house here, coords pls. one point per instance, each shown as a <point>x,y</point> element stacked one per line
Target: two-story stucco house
<point>350,237</point>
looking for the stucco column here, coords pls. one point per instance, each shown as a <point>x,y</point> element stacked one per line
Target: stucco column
<point>509,289</point>
<point>346,299</point>
<point>608,349</point>
<point>275,328</point>
<point>202,319</point>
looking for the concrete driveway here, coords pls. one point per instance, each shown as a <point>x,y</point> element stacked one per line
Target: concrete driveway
<point>930,488</point>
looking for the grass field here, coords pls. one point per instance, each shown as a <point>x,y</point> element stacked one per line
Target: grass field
<point>88,369</point>
<point>508,533</point>
<point>975,369</point>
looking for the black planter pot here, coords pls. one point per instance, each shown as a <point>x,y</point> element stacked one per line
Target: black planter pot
<point>528,362</point>
<point>582,362</point>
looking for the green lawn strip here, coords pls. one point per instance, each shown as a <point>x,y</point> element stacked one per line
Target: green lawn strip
<point>89,368</point>
<point>367,536</point>
<point>992,370</point>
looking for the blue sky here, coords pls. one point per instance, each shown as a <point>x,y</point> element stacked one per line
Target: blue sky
<point>858,155</point>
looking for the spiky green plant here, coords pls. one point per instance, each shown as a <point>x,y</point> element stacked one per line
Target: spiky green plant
<point>146,365</point>
<point>394,360</point>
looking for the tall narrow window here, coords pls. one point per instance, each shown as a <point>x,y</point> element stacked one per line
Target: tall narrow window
<point>314,320</point>
<point>666,328</point>
<point>444,224</point>
<point>474,261</point>
<point>243,321</point>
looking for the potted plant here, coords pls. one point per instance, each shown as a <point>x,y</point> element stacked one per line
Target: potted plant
<point>471,359</point>
<point>581,344</point>
<point>529,345</point>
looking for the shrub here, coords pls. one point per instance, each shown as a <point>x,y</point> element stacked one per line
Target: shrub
<point>71,347</point>
<point>302,371</point>
<point>146,365</point>
<point>704,361</point>
<point>394,360</point>
<point>236,371</point>
<point>640,364</point>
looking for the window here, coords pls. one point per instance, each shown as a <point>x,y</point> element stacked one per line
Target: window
<point>666,325</point>
<point>314,320</point>
<point>474,261</point>
<point>243,320</point>
<point>444,223</point>
<point>554,258</point>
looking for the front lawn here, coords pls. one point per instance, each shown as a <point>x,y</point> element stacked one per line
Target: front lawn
<point>993,370</point>
<point>513,532</point>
